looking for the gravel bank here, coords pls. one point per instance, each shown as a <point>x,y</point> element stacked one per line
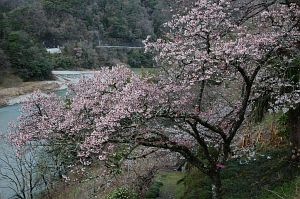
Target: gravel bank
<point>13,95</point>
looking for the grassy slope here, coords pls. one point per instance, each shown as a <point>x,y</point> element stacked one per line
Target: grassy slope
<point>262,178</point>
<point>166,185</point>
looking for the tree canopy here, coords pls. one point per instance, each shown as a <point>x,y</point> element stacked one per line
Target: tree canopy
<point>215,59</point>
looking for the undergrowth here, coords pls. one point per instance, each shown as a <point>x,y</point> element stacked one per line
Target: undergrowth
<point>270,174</point>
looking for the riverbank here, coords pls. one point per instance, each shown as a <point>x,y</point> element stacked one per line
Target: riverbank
<point>13,90</point>
<point>15,94</point>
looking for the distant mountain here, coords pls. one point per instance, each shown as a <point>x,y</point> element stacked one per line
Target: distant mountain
<point>76,24</point>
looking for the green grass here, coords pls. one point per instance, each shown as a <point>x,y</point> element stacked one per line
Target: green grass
<point>166,183</point>
<point>154,189</point>
<point>144,70</point>
<point>171,182</point>
<point>260,179</point>
<point>287,190</point>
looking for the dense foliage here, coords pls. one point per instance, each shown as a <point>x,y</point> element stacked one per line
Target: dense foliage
<point>27,58</point>
<point>76,24</point>
<point>272,177</point>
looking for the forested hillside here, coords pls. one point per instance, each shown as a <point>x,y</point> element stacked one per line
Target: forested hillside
<point>27,27</point>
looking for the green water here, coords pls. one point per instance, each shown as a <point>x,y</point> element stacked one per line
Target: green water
<point>8,114</point>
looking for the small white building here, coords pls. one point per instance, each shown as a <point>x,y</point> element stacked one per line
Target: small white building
<point>54,50</point>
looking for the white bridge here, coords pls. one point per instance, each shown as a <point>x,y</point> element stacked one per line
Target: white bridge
<point>126,47</point>
<point>70,72</point>
<point>71,76</point>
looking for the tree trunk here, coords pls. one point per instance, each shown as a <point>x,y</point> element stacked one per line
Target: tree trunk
<point>216,186</point>
<point>294,125</point>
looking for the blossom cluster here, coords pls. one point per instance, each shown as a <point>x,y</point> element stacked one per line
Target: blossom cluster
<point>213,63</point>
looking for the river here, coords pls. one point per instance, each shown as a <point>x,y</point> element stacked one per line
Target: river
<point>10,113</point>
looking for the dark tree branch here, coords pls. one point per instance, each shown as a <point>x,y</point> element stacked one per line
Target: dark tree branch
<point>201,141</point>
<point>183,150</point>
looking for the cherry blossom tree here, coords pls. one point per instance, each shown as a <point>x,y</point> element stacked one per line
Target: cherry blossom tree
<point>214,61</point>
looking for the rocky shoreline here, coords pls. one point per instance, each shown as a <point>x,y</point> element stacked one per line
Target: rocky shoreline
<point>9,96</point>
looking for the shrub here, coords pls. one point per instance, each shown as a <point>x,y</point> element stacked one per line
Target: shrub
<point>28,59</point>
<point>63,62</point>
<point>153,191</point>
<point>138,59</point>
<point>122,193</point>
